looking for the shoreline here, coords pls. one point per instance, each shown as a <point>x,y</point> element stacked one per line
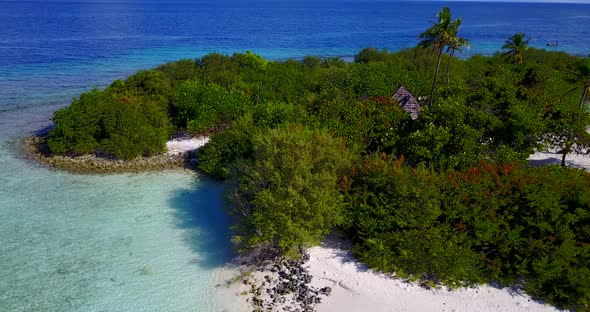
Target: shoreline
<point>180,156</point>
<point>251,283</point>
<point>355,288</point>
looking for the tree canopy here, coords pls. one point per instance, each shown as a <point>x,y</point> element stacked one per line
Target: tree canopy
<point>516,46</point>
<point>440,35</point>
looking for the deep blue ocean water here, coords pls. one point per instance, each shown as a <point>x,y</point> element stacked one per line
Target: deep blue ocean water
<point>155,242</point>
<point>50,51</point>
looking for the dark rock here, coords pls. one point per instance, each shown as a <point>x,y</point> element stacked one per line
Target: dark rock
<point>326,291</point>
<point>305,257</point>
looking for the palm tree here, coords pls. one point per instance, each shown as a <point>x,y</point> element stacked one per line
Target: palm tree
<point>437,37</point>
<point>455,45</point>
<point>516,46</point>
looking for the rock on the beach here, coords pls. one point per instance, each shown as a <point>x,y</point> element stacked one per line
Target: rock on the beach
<point>326,291</point>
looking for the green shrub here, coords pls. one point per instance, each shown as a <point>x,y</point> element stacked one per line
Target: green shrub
<point>136,129</point>
<point>179,71</point>
<point>288,194</point>
<point>367,55</point>
<point>374,124</point>
<point>250,60</point>
<point>270,115</point>
<point>312,61</point>
<point>201,107</point>
<point>224,149</point>
<point>218,156</point>
<point>148,82</point>
<point>121,124</point>
<point>488,223</point>
<point>396,218</point>
<point>218,69</point>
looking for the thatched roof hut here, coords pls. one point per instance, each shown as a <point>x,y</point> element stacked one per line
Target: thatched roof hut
<point>407,102</point>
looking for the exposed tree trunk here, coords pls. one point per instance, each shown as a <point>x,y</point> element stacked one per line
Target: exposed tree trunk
<point>440,52</point>
<point>514,65</point>
<point>566,150</point>
<point>449,66</point>
<point>259,93</point>
<point>586,86</point>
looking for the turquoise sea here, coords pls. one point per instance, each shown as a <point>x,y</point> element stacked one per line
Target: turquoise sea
<point>157,241</point>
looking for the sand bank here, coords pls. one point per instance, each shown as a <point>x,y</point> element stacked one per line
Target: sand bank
<point>355,288</point>
<point>179,155</point>
<point>182,146</point>
<point>580,161</point>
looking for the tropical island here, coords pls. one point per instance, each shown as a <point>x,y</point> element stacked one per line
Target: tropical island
<point>416,157</point>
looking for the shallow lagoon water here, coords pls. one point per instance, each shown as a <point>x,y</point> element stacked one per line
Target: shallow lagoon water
<point>127,242</point>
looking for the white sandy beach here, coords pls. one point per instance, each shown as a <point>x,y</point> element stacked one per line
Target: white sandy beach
<point>182,146</point>
<point>552,158</point>
<point>355,288</point>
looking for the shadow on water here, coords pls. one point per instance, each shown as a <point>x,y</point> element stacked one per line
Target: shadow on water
<point>44,130</point>
<point>200,211</point>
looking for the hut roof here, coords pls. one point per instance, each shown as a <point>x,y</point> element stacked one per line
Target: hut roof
<point>407,102</point>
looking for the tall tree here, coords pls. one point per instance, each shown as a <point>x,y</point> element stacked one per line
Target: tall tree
<point>569,126</point>
<point>516,46</point>
<point>456,44</point>
<point>581,74</point>
<point>585,93</point>
<point>569,131</point>
<point>437,37</point>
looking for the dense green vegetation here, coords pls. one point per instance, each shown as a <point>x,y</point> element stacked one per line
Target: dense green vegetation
<point>511,224</point>
<point>125,120</point>
<point>318,144</point>
<point>286,193</point>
